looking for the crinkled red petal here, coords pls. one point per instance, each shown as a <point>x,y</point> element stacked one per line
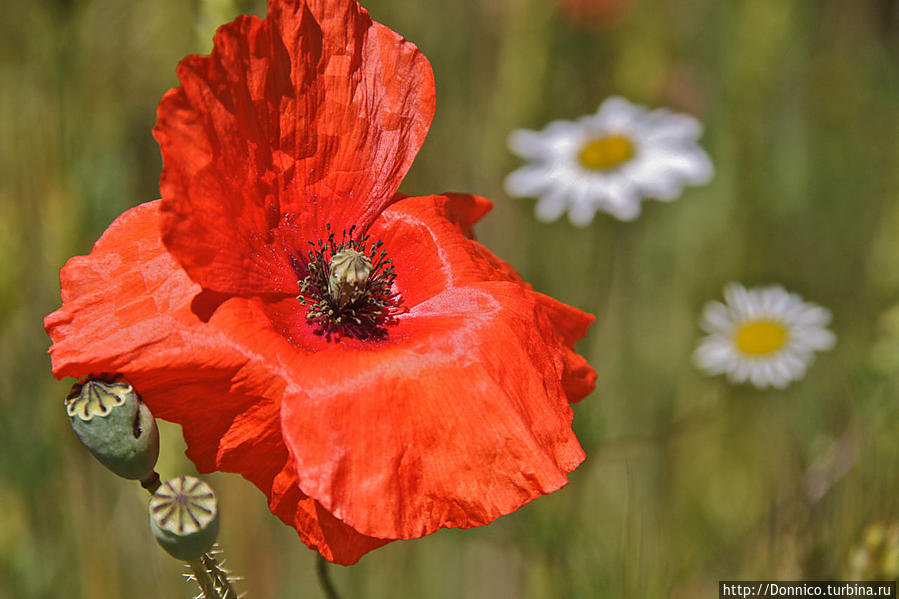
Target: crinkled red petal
<point>570,324</point>
<point>129,308</point>
<point>461,414</point>
<point>434,234</point>
<point>309,117</point>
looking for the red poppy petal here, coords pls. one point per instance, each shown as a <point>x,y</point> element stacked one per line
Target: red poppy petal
<point>129,308</point>
<point>429,240</point>
<point>462,421</point>
<point>461,414</point>
<point>311,116</point>
<point>414,230</point>
<point>570,324</point>
<point>320,530</point>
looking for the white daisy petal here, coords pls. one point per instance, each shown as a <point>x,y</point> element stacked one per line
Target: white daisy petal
<point>772,299</point>
<point>659,185</point>
<point>714,355</point>
<point>609,161</point>
<point>741,372</point>
<point>664,127</point>
<point>765,336</point>
<point>526,143</point>
<point>616,114</point>
<point>581,215</point>
<point>529,181</point>
<point>779,300</point>
<point>820,339</point>
<point>761,375</point>
<point>780,382</point>
<point>625,211</point>
<point>550,207</point>
<point>580,202</point>
<point>814,316</point>
<point>793,364</point>
<point>779,374</point>
<point>557,137</point>
<point>737,298</point>
<point>623,199</point>
<point>686,165</point>
<point>716,318</point>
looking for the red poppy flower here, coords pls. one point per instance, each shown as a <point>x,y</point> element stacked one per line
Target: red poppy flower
<point>431,390</point>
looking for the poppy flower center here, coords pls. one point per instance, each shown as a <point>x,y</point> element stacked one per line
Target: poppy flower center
<point>760,337</point>
<point>347,288</point>
<point>605,153</point>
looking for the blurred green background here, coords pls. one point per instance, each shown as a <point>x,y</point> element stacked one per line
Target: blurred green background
<point>688,479</point>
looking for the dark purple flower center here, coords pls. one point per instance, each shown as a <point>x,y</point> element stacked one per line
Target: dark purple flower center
<point>347,290</point>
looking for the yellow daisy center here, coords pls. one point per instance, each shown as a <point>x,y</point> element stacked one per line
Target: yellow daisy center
<point>604,153</point>
<point>760,337</point>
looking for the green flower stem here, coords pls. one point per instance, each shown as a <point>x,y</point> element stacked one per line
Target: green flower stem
<point>219,577</point>
<point>203,578</point>
<point>151,483</point>
<point>324,579</point>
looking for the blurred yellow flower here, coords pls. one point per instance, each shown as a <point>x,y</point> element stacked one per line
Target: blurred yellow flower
<point>877,556</point>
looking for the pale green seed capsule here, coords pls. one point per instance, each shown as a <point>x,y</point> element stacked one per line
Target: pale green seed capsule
<point>184,517</point>
<point>348,274</point>
<point>115,425</point>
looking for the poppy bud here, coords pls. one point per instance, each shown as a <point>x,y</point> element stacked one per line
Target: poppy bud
<point>184,517</point>
<point>348,275</point>
<point>115,425</point>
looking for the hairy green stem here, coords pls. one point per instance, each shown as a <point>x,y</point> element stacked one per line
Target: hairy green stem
<point>220,578</point>
<point>203,578</point>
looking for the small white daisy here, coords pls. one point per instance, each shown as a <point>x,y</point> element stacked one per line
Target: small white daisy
<point>764,335</point>
<point>608,161</point>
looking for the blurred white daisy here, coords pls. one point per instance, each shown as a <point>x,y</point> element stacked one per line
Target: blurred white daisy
<point>763,335</point>
<point>608,161</point>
